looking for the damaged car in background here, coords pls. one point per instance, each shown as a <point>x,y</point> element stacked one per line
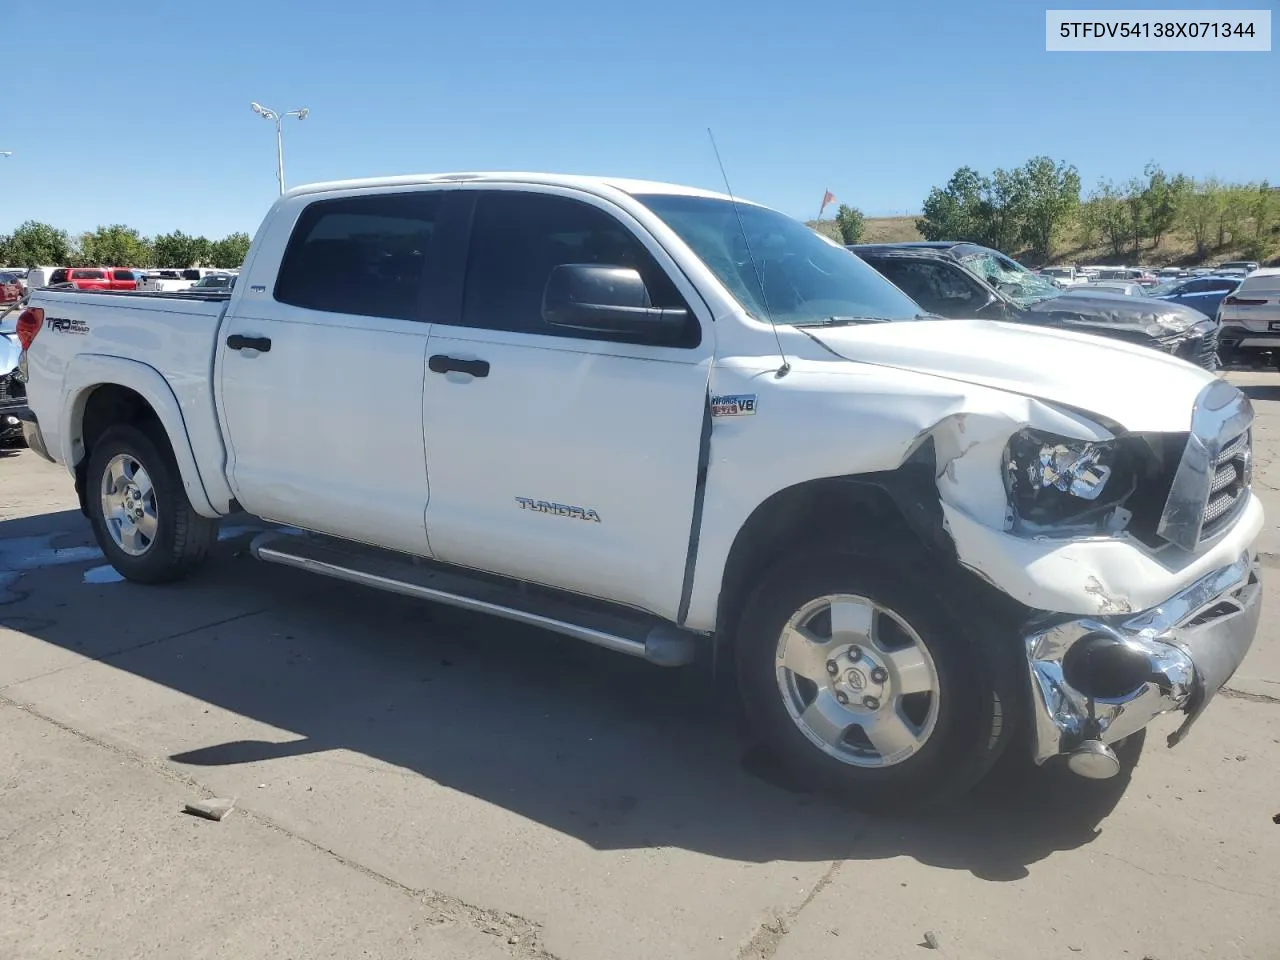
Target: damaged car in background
<point>13,392</point>
<point>968,280</point>
<point>914,542</point>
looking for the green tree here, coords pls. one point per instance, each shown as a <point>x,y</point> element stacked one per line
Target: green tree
<point>1088,223</point>
<point>849,220</point>
<point>114,246</point>
<point>35,244</point>
<point>955,212</point>
<point>1199,213</point>
<point>1002,210</point>
<point>230,250</point>
<point>1263,207</point>
<point>1113,213</point>
<point>178,250</point>
<point>1050,196</point>
<point>1162,199</point>
<point>1231,214</point>
<point>1135,198</point>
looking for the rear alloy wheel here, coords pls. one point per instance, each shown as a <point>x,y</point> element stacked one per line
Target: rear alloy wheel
<point>129,505</point>
<point>142,518</point>
<point>865,683</point>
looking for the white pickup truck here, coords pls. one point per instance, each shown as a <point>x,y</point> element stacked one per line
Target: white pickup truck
<point>666,422</point>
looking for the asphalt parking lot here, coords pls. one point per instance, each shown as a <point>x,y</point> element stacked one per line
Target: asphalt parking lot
<point>415,782</point>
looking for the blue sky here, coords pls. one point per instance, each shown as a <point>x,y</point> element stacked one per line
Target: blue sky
<point>142,117</point>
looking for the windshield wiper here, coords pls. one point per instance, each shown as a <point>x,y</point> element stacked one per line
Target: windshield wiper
<point>841,321</point>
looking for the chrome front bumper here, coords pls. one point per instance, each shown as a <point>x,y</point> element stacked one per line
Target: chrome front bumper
<point>1096,680</point>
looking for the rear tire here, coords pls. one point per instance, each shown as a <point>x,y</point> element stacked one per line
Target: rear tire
<point>141,516</point>
<point>891,660</point>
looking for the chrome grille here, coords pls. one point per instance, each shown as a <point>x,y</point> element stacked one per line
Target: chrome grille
<point>1231,476</point>
<point>1210,485</point>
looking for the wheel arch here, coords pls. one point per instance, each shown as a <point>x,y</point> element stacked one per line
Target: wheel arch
<point>835,512</point>
<point>101,391</point>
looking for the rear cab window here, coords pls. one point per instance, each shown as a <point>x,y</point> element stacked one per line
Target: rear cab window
<point>364,256</point>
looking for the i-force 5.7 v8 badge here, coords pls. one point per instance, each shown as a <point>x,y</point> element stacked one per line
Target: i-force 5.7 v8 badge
<point>558,509</point>
<point>734,405</point>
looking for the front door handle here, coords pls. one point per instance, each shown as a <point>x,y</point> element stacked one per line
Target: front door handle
<point>239,342</point>
<point>439,363</point>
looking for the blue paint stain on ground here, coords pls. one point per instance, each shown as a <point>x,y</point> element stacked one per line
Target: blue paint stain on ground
<point>103,574</point>
<point>20,554</point>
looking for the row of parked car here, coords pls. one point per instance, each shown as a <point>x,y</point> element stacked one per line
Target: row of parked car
<point>14,282</point>
<point>1231,317</point>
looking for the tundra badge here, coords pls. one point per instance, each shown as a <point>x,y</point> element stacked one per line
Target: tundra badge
<point>558,509</point>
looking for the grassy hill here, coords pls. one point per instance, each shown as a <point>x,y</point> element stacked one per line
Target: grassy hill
<point>1177,248</point>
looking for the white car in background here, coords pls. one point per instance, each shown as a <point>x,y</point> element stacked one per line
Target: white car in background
<point>1249,320</point>
<point>1129,288</point>
<point>171,281</point>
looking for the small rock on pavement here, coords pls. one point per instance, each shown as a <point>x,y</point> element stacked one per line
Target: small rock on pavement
<point>215,808</point>
<point>930,940</point>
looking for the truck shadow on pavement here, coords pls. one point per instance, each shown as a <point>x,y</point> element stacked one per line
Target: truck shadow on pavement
<point>613,752</point>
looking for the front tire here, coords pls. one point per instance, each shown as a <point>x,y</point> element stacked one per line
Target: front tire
<point>864,683</point>
<point>141,516</point>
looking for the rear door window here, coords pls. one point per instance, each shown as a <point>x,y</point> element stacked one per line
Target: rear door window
<point>361,255</point>
<point>88,275</point>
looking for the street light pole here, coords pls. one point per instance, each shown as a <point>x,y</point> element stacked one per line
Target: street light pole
<point>278,119</point>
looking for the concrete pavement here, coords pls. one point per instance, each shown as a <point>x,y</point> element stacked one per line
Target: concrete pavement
<point>412,781</point>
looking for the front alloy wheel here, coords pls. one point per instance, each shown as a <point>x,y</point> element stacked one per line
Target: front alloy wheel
<point>874,679</point>
<point>857,680</point>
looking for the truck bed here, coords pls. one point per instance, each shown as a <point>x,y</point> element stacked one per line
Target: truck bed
<point>173,334</point>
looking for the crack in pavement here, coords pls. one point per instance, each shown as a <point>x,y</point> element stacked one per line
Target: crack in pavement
<point>765,941</point>
<point>521,936</point>
<point>1234,694</point>
<point>1160,875</point>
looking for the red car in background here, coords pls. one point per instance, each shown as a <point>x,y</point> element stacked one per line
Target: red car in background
<point>10,288</point>
<point>82,278</point>
<point>123,278</point>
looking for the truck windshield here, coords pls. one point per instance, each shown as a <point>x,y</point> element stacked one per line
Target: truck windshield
<point>1012,279</point>
<point>803,278</point>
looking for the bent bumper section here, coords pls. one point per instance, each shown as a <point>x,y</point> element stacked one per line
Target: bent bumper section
<point>1097,680</point>
<point>31,433</point>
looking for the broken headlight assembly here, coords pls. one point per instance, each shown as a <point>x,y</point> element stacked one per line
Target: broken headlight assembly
<point>1061,485</point>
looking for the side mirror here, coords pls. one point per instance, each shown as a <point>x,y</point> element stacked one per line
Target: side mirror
<point>606,299</point>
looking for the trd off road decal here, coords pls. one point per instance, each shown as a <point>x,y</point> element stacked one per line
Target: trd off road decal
<point>63,325</point>
<point>734,405</point>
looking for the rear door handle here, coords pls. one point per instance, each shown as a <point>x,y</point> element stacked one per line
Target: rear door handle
<point>239,342</point>
<point>439,363</point>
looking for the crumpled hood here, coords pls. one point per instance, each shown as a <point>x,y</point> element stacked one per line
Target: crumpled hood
<point>1138,387</point>
<point>1107,311</point>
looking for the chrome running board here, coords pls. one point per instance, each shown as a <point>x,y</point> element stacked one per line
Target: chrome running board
<point>617,629</point>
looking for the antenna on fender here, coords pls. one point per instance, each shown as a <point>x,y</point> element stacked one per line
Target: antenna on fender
<point>764,297</point>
